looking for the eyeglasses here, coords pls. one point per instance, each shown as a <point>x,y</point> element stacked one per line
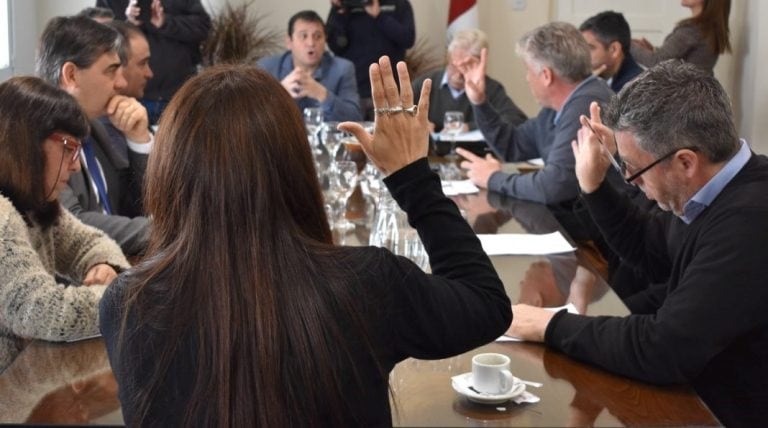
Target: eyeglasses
<point>71,145</point>
<point>621,166</point>
<point>624,170</point>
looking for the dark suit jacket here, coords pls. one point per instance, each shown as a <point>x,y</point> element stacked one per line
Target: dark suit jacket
<point>124,180</point>
<point>629,70</point>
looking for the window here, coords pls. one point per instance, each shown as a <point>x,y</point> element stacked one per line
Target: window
<point>5,40</point>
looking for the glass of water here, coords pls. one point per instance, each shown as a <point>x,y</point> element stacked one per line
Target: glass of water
<point>453,124</point>
<point>313,120</point>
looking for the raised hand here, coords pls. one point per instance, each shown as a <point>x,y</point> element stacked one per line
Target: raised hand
<point>592,158</point>
<point>132,13</point>
<point>401,133</point>
<point>473,71</point>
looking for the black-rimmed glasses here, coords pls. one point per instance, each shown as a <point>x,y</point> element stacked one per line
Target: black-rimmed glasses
<point>621,166</point>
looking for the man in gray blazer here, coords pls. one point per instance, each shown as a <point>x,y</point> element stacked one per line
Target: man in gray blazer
<point>80,56</point>
<point>559,74</point>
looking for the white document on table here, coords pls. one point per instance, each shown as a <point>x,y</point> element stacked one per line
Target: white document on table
<point>571,308</point>
<point>524,244</point>
<point>474,135</point>
<point>458,187</point>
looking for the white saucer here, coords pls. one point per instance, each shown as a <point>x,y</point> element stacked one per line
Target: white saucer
<point>463,382</point>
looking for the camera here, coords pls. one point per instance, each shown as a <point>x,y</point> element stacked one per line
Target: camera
<point>352,4</point>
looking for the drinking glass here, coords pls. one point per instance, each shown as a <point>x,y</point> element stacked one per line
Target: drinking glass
<point>453,124</point>
<point>345,177</point>
<point>313,119</point>
<point>386,229</point>
<point>332,139</point>
<point>370,182</point>
<point>371,185</point>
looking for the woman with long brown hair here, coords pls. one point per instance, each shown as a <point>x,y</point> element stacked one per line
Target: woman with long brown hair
<point>700,39</point>
<point>244,313</point>
<point>40,131</point>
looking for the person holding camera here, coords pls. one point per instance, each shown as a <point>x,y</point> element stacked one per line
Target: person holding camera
<point>363,30</point>
<point>174,30</point>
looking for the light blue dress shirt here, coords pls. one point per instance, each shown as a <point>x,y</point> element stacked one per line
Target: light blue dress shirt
<point>704,197</point>
<point>455,93</point>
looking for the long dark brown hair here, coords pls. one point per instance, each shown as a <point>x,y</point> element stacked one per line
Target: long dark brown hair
<point>713,24</point>
<point>30,110</point>
<point>240,258</point>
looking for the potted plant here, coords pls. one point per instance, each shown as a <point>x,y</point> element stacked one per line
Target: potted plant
<point>238,37</point>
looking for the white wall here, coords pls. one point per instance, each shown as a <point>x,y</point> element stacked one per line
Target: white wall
<point>504,24</point>
<point>24,14</point>
<point>751,102</point>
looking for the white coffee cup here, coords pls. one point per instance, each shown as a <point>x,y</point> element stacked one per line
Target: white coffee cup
<point>490,373</point>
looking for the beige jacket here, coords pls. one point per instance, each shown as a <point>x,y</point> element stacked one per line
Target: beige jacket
<point>32,304</point>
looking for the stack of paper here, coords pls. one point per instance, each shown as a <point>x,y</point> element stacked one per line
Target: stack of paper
<point>458,187</point>
<point>474,135</point>
<point>522,244</point>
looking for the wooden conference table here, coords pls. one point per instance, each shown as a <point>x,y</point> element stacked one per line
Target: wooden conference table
<point>73,384</point>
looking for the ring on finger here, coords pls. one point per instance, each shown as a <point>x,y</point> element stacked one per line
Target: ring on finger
<point>411,110</point>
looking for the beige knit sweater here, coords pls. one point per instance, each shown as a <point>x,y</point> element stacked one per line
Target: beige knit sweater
<point>32,304</point>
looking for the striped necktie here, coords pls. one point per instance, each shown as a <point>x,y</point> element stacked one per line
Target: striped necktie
<point>95,173</point>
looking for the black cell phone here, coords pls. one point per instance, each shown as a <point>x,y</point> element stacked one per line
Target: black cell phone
<point>145,12</point>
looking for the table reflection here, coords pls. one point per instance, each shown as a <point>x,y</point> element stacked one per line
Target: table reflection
<point>59,383</point>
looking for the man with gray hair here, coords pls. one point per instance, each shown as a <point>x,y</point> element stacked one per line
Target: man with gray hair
<point>449,95</point>
<point>559,74</point>
<point>707,324</point>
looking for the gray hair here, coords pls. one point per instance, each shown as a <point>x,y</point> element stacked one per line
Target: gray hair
<point>559,46</point>
<point>675,105</point>
<point>471,40</point>
<point>74,39</point>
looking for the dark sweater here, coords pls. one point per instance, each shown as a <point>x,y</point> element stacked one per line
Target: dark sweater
<point>629,70</point>
<point>710,326</point>
<point>461,306</point>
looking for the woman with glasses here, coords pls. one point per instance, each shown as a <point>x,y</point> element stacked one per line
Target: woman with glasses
<point>40,128</point>
<point>244,312</point>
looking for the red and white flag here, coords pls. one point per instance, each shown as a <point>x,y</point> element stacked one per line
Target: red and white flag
<point>462,15</point>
